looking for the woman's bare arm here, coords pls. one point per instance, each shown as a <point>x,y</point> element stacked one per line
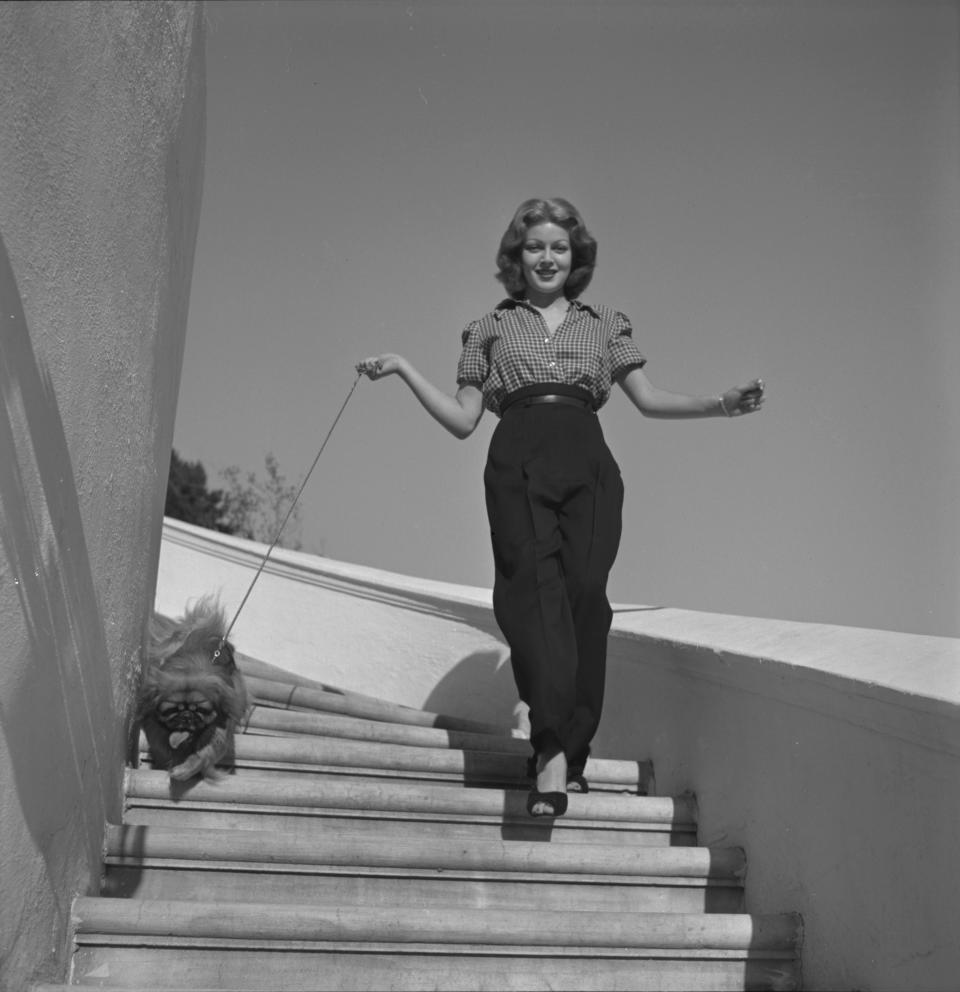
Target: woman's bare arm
<point>652,401</point>
<point>459,414</point>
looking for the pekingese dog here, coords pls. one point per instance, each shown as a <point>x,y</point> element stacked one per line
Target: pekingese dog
<point>190,703</point>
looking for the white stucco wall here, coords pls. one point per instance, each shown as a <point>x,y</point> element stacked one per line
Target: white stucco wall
<point>101,140</point>
<point>419,643</point>
<point>830,754</point>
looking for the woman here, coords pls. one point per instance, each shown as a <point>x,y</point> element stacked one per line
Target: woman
<point>544,362</point>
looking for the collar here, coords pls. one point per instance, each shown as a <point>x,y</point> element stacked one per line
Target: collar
<point>511,304</point>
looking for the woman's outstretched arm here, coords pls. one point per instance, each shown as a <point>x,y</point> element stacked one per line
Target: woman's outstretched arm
<point>652,401</point>
<point>460,414</point>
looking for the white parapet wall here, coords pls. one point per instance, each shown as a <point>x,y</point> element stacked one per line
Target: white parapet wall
<point>831,754</point>
<point>420,643</point>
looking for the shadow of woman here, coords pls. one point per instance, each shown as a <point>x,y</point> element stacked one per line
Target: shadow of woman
<point>480,687</point>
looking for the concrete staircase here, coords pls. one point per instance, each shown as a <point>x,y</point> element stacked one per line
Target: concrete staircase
<point>359,844</point>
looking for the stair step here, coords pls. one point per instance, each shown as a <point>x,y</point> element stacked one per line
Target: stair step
<point>133,843</point>
<point>222,944</point>
<point>411,970</point>
<point>303,754</point>
<point>357,844</point>
<point>694,933</point>
<point>491,891</point>
<point>267,720</point>
<point>387,825</point>
<point>287,695</point>
<point>335,794</point>
<point>350,869</point>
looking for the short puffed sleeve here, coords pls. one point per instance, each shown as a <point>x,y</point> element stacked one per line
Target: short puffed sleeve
<point>624,353</point>
<point>474,365</point>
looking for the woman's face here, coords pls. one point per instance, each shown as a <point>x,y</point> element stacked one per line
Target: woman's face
<point>546,258</point>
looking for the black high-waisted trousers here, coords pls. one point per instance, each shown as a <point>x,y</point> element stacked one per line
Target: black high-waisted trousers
<point>554,501</point>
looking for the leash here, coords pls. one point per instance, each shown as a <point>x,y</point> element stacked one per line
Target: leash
<point>306,478</point>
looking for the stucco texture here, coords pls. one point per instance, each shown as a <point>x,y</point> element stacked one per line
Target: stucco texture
<point>101,158</point>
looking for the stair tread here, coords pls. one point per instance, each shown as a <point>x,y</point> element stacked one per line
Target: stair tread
<point>269,719</point>
<point>256,788</point>
<point>133,843</point>
<point>360,944</point>
<point>251,970</point>
<point>392,887</point>
<point>294,696</point>
<point>259,787</point>
<point>294,751</point>
<point>425,825</point>
<point>553,928</point>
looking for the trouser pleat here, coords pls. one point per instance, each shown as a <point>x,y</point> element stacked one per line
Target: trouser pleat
<point>554,502</point>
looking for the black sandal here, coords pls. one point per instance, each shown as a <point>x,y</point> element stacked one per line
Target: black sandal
<point>577,783</point>
<point>557,801</point>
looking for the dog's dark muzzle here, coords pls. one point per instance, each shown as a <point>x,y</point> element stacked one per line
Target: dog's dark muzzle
<point>186,716</point>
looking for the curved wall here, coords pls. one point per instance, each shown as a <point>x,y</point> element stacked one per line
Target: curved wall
<point>101,138</point>
<point>426,644</point>
<point>831,754</point>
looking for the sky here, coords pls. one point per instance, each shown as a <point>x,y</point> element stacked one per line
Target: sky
<point>774,190</point>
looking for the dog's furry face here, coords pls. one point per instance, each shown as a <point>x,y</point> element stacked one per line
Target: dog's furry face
<point>190,703</point>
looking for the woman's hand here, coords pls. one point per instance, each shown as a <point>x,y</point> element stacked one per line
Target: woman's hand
<point>380,366</point>
<point>743,399</point>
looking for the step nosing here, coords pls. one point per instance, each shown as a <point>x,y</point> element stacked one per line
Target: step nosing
<point>426,814</point>
<point>206,844</point>
<point>340,751</point>
<point>262,789</point>
<point>307,698</point>
<point>593,952</point>
<point>425,873</point>
<point>164,917</point>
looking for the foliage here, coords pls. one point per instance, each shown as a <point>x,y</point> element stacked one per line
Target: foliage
<point>246,506</point>
<point>188,498</point>
<point>257,509</point>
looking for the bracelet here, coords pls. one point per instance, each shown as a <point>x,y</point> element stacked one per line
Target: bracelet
<point>723,407</point>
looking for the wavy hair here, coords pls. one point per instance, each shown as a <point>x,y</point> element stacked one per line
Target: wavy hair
<point>554,210</point>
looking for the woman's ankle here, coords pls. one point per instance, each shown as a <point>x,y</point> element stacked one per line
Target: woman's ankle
<point>552,771</point>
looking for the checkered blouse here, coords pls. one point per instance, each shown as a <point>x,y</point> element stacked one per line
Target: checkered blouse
<point>511,347</point>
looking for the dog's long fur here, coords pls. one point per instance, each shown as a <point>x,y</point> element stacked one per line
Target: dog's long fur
<point>189,705</point>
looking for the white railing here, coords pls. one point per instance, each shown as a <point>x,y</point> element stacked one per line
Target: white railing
<point>831,754</point>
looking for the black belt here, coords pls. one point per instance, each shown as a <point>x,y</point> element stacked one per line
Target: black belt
<point>579,398</point>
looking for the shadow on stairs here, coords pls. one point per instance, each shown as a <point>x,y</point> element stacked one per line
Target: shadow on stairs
<point>357,844</point>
